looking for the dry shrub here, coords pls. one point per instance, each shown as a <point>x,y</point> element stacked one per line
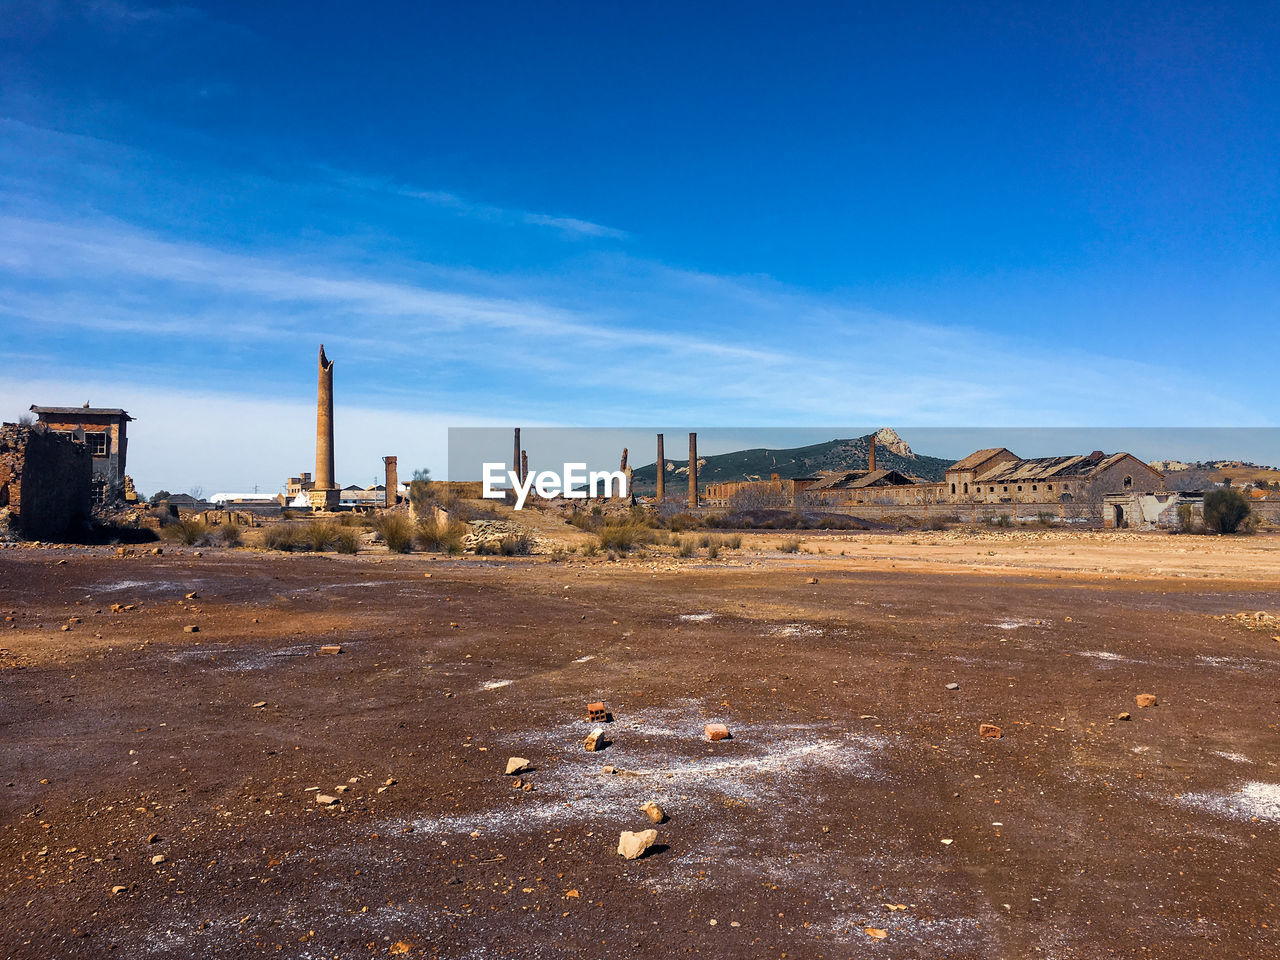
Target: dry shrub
<point>790,545</point>
<point>347,541</point>
<point>395,530</point>
<point>282,536</point>
<point>441,535</point>
<point>191,532</point>
<point>621,537</point>
<point>319,535</point>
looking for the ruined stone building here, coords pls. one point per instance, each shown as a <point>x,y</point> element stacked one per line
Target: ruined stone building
<point>992,476</point>
<point>44,481</point>
<point>104,431</point>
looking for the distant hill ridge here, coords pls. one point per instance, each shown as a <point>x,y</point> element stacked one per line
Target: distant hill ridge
<point>892,453</point>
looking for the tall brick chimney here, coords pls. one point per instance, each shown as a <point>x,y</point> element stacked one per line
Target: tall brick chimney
<point>662,471</point>
<point>393,481</point>
<point>324,493</point>
<point>515,455</point>
<point>524,465</point>
<point>693,470</point>
<point>871,457</point>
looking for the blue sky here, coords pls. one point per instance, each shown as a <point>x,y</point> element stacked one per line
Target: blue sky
<point>591,214</point>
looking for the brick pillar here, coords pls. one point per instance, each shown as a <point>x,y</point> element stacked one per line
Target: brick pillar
<point>662,471</point>
<point>524,465</point>
<point>871,457</point>
<point>325,491</point>
<point>393,481</point>
<point>693,470</point>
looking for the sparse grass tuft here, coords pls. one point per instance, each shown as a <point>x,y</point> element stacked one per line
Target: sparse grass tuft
<point>395,530</point>
<point>318,535</point>
<point>231,535</point>
<point>686,547</point>
<point>622,537</point>
<point>439,536</point>
<point>190,532</point>
<point>281,536</point>
<point>790,545</point>
<point>347,541</point>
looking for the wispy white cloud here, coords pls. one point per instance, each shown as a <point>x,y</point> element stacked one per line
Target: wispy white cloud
<point>571,227</point>
<point>662,344</point>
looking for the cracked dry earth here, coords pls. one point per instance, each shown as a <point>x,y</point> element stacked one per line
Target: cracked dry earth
<point>159,787</point>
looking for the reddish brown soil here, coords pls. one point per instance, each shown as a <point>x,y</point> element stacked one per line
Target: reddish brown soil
<point>1073,835</point>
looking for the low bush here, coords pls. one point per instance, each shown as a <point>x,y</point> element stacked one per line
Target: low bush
<point>515,545</point>
<point>395,530</point>
<point>1225,510</point>
<point>441,536</point>
<point>281,536</point>
<point>790,545</point>
<point>319,535</point>
<point>684,521</point>
<point>686,546</point>
<point>231,535</point>
<point>347,541</point>
<point>621,536</point>
<point>190,532</point>
<point>713,550</point>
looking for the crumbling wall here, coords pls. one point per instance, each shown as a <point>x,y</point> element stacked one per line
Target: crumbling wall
<point>44,481</point>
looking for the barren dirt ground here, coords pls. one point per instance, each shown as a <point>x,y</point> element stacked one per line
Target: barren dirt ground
<point>855,812</point>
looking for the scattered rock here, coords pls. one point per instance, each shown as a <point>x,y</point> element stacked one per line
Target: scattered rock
<point>875,933</point>
<point>325,800</point>
<point>331,649</point>
<point>990,730</point>
<point>191,628</point>
<point>953,686</point>
<point>632,845</point>
<point>812,580</point>
<point>341,789</point>
<point>118,889</point>
<point>595,740</point>
<point>1146,699</point>
<point>1124,716</point>
<point>718,731</point>
<point>260,704</point>
<point>156,551</point>
<point>158,859</point>
<point>518,765</point>
<point>653,812</point>
<point>193,595</point>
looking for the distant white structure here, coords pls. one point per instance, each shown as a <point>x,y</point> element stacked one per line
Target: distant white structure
<point>225,498</point>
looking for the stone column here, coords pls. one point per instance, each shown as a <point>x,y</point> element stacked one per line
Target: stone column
<point>325,491</point>
<point>693,470</point>
<point>662,471</point>
<point>392,481</point>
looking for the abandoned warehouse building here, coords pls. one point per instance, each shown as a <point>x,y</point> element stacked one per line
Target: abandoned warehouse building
<point>993,476</point>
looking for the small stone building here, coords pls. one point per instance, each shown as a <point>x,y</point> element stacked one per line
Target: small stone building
<point>44,481</point>
<point>104,432</point>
